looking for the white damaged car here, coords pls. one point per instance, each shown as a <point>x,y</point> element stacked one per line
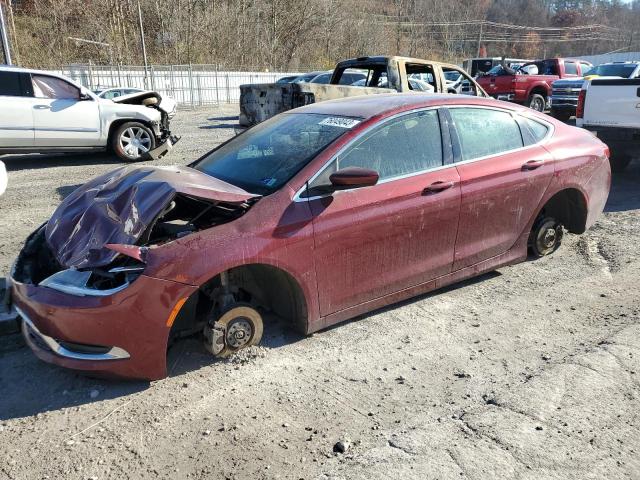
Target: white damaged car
<point>44,112</point>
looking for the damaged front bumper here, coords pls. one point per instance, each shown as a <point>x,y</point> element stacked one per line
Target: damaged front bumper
<point>38,340</point>
<point>164,148</point>
<point>124,335</point>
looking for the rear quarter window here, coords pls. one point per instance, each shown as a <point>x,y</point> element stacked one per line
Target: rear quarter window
<point>537,129</point>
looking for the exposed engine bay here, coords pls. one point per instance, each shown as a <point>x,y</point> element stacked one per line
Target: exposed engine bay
<point>96,241</point>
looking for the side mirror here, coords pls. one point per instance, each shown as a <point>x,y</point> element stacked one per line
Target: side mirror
<point>353,177</point>
<point>84,94</point>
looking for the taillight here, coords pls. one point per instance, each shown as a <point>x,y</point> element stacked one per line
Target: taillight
<point>580,108</point>
<point>607,152</point>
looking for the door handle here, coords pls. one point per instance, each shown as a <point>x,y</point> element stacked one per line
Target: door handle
<point>42,107</point>
<point>438,186</point>
<point>532,164</point>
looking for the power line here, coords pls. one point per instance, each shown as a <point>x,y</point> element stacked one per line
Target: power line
<point>495,32</point>
<point>388,19</point>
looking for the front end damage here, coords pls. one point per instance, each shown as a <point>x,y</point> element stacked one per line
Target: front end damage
<point>80,285</point>
<point>165,140</point>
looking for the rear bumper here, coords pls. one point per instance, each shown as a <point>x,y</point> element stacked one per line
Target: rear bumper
<point>124,335</point>
<point>563,106</point>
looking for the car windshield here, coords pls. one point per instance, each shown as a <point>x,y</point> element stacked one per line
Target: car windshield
<point>267,156</point>
<point>616,70</point>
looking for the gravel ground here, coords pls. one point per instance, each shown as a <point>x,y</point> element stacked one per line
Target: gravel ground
<point>531,372</point>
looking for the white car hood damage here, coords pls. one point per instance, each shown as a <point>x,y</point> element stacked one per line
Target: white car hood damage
<point>167,105</point>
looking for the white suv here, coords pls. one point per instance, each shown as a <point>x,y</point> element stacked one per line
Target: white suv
<point>43,112</point>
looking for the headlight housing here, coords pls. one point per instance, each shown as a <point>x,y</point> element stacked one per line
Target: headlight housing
<point>93,283</point>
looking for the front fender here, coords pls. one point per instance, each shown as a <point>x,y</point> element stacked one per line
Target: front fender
<point>275,232</point>
<point>111,113</point>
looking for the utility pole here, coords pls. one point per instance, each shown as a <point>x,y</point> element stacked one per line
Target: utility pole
<point>144,48</point>
<point>5,38</point>
<point>480,39</point>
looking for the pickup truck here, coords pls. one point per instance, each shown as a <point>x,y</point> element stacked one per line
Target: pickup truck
<point>258,102</point>
<point>609,107</point>
<point>564,93</point>
<point>530,84</point>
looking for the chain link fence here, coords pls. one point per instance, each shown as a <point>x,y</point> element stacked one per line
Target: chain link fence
<point>189,85</point>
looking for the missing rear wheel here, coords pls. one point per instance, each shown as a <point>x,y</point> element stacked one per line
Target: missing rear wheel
<point>546,236</point>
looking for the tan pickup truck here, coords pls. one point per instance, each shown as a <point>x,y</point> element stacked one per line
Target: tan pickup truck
<point>261,101</point>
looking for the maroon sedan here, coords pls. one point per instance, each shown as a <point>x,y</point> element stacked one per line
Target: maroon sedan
<point>317,215</point>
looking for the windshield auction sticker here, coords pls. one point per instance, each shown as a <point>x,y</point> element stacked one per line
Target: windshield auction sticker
<point>341,122</point>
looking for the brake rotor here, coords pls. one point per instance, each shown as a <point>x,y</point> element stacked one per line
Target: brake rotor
<point>238,327</point>
<point>548,236</point>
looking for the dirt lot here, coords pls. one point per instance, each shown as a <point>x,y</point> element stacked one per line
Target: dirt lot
<point>532,372</point>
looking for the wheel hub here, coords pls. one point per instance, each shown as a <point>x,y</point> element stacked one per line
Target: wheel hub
<point>135,141</point>
<point>549,238</point>
<point>239,333</point>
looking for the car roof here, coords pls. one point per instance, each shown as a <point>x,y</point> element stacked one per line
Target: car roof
<point>315,74</point>
<point>368,106</point>
<point>13,68</point>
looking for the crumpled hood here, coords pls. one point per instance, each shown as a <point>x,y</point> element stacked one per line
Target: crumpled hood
<point>168,105</point>
<point>117,208</point>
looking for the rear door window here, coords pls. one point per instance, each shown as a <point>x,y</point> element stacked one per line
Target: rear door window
<point>484,132</point>
<point>10,84</point>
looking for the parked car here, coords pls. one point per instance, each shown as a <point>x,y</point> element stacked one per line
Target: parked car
<point>287,79</point>
<point>317,215</point>
<point>348,78</point>
<point>4,179</point>
<point>609,108</point>
<point>261,101</point>
<point>564,93</point>
<point>167,103</point>
<point>530,84</point>
<point>44,112</point>
<point>306,77</point>
<point>111,93</point>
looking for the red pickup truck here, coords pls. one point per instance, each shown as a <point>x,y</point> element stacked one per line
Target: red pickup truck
<point>530,85</point>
